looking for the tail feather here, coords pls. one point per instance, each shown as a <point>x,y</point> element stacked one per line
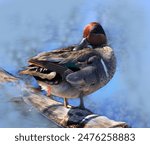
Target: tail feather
<point>48,65</point>
<point>45,70</point>
<point>49,76</point>
<point>24,72</point>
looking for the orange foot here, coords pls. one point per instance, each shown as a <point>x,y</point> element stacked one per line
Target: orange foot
<point>48,90</point>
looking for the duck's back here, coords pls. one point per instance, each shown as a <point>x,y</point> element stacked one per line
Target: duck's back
<point>67,57</point>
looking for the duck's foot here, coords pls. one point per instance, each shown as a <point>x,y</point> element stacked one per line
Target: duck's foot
<point>74,107</point>
<point>81,106</point>
<point>48,91</point>
<point>66,104</point>
<point>70,107</point>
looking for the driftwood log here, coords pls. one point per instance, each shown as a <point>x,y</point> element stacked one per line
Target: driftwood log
<point>56,112</point>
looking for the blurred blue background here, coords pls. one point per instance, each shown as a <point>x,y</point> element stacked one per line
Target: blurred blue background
<point>28,27</point>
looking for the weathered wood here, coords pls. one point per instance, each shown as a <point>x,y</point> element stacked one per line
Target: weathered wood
<point>6,77</point>
<point>64,117</point>
<point>70,117</point>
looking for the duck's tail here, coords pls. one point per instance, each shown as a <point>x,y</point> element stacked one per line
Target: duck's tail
<point>44,69</point>
<point>48,65</point>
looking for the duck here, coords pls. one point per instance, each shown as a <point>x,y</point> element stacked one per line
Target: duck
<point>75,71</point>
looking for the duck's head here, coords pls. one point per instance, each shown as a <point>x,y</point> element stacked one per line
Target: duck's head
<point>94,35</point>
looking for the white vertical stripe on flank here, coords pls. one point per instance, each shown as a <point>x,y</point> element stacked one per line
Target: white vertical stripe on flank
<point>105,68</point>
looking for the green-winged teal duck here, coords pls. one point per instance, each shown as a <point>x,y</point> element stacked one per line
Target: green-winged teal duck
<point>75,71</point>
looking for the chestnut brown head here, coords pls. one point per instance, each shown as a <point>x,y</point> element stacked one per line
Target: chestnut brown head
<point>94,35</point>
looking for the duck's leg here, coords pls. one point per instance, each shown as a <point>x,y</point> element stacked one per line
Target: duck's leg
<point>81,106</point>
<point>48,91</point>
<point>66,104</point>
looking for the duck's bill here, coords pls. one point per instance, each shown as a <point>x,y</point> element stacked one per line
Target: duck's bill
<point>84,43</point>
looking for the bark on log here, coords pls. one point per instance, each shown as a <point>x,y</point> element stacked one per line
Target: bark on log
<point>62,116</point>
<point>6,77</point>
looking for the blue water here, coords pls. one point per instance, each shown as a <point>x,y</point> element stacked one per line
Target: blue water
<point>31,26</point>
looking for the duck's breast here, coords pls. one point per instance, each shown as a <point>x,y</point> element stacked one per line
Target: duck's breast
<point>65,90</point>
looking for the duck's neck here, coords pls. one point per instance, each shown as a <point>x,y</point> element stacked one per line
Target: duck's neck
<point>108,60</point>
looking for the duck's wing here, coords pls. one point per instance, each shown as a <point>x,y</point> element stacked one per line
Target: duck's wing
<point>51,66</point>
<point>58,63</point>
<point>46,65</point>
<point>77,60</point>
<point>54,56</point>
